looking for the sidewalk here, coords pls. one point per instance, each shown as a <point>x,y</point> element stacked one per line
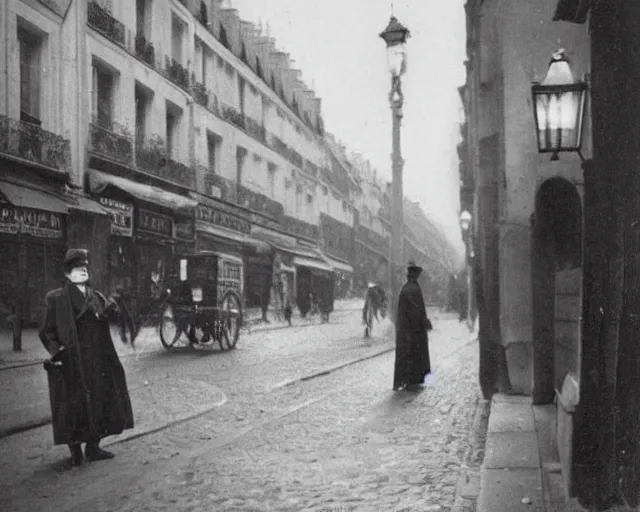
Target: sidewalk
<point>33,351</point>
<point>521,469</point>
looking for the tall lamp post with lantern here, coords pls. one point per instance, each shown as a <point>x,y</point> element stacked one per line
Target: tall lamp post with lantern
<point>395,36</point>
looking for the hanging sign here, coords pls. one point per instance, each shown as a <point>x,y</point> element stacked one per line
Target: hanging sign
<point>28,221</point>
<point>155,223</point>
<point>185,229</point>
<point>121,215</point>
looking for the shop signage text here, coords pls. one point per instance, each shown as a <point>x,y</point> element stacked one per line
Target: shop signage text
<point>121,216</point>
<point>222,219</point>
<point>155,223</point>
<point>185,229</point>
<point>14,220</point>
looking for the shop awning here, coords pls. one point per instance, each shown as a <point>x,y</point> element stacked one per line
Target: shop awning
<point>98,181</point>
<point>339,265</point>
<point>281,245</point>
<point>86,205</point>
<point>311,263</point>
<point>25,197</point>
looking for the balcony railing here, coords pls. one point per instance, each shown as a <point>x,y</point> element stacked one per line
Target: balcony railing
<point>310,167</point>
<point>260,203</point>
<point>154,160</point>
<point>101,20</point>
<point>232,115</point>
<point>145,51</point>
<point>255,129</point>
<point>176,73</point>
<point>200,94</point>
<point>30,142</point>
<point>300,228</point>
<point>114,146</point>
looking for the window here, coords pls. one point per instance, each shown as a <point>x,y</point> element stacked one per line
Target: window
<point>177,37</point>
<point>30,78</point>
<point>173,115</point>
<point>325,190</point>
<point>103,96</point>
<point>272,179</point>
<point>143,99</point>
<point>213,142</point>
<point>204,16</point>
<point>143,18</point>
<point>241,155</point>
<point>309,198</point>
<point>241,86</point>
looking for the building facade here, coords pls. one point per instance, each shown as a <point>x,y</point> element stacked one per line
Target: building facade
<point>159,127</point>
<point>555,241</point>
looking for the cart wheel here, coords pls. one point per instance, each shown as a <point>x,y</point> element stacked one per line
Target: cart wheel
<point>232,320</point>
<point>170,329</point>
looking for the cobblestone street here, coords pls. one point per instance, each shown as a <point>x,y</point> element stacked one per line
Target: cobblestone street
<point>273,442</point>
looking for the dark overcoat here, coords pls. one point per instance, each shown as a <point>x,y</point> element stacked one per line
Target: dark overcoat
<point>412,362</point>
<point>88,393</point>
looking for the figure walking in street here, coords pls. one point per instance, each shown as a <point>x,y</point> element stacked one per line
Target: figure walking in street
<point>412,362</point>
<point>87,384</point>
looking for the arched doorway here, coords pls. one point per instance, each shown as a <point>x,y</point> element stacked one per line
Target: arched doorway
<point>556,280</point>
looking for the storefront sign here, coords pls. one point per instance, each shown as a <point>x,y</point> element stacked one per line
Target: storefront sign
<point>185,229</point>
<point>121,215</point>
<point>155,223</point>
<point>222,219</point>
<point>14,220</point>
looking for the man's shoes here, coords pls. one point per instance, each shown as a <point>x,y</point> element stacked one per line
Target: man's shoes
<point>93,452</point>
<point>76,455</point>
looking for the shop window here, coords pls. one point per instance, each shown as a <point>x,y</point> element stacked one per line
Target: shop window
<point>30,45</point>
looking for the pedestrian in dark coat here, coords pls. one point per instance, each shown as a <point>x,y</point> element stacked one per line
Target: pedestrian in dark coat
<point>412,362</point>
<point>87,384</point>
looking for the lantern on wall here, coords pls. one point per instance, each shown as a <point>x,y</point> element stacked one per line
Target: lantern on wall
<point>558,108</point>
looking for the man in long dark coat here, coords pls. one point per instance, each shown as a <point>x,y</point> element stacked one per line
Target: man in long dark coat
<point>412,345</point>
<point>87,384</point>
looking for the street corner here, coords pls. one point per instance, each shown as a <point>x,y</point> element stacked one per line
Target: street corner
<point>162,402</point>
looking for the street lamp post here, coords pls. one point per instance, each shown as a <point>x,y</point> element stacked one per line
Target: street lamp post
<point>395,36</point>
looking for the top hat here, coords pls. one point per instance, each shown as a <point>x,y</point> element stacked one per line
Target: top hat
<point>412,267</point>
<point>76,258</point>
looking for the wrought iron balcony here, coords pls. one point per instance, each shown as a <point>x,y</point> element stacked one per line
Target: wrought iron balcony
<point>176,73</point>
<point>102,21</point>
<point>310,167</point>
<point>232,115</point>
<point>109,144</point>
<point>300,228</point>
<point>259,202</point>
<point>30,142</point>
<point>200,94</point>
<point>145,50</point>
<point>153,159</point>
<point>255,129</point>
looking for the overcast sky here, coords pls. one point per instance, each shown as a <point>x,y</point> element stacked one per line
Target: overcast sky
<point>335,44</point>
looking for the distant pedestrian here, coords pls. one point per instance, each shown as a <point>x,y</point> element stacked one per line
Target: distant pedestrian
<point>412,362</point>
<point>87,384</point>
